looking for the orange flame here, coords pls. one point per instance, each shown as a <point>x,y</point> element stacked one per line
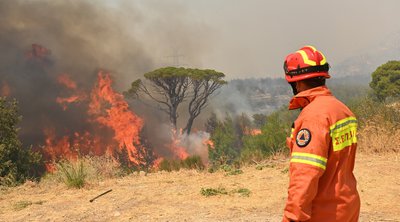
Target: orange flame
<point>37,51</point>
<point>176,147</point>
<point>255,132</point>
<point>66,81</point>
<point>209,143</point>
<point>106,108</point>
<point>125,124</point>
<point>5,89</point>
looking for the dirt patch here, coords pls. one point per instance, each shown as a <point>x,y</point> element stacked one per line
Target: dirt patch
<point>177,196</point>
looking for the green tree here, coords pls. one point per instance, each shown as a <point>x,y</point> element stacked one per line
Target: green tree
<point>386,80</point>
<point>169,87</point>
<point>16,164</point>
<point>224,140</point>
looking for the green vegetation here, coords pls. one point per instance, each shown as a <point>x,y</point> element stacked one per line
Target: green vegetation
<point>225,140</point>
<point>73,173</point>
<point>234,142</point>
<point>213,191</point>
<point>16,163</point>
<point>272,139</point>
<point>386,81</point>
<point>244,192</point>
<point>234,172</point>
<point>369,110</point>
<point>191,162</point>
<point>24,204</point>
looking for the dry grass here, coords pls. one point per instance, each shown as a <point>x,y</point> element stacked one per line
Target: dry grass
<point>254,195</point>
<point>94,168</point>
<point>379,136</point>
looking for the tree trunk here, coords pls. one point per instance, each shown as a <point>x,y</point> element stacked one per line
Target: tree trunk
<point>189,124</point>
<point>173,118</point>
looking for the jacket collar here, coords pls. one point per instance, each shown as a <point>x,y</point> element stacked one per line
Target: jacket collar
<point>304,98</point>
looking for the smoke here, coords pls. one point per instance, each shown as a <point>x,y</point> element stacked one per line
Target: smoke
<point>254,37</point>
<point>44,40</point>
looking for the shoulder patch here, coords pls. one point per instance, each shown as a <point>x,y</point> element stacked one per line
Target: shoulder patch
<point>303,137</point>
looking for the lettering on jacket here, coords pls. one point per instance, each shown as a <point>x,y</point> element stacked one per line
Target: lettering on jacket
<point>344,133</point>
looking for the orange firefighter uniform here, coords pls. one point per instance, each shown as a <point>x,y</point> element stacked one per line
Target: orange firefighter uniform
<point>323,144</point>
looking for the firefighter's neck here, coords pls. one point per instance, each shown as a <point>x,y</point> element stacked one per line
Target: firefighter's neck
<point>302,86</point>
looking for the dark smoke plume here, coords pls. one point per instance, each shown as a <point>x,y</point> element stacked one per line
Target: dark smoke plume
<point>42,40</point>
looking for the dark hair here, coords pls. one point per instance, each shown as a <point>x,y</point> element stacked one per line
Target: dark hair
<point>314,82</point>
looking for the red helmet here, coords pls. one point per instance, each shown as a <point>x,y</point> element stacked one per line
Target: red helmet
<point>306,63</point>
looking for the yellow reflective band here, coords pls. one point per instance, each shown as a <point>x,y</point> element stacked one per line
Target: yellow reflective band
<point>342,122</point>
<point>291,133</point>
<point>312,47</point>
<point>310,62</point>
<point>305,58</point>
<point>310,159</point>
<point>323,61</point>
<point>344,133</point>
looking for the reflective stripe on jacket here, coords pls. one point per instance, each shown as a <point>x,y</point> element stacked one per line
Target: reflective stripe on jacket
<point>323,143</point>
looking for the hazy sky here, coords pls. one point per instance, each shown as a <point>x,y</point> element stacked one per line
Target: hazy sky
<point>251,38</point>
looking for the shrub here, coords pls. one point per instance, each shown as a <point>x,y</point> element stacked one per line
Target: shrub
<point>191,162</point>
<point>378,125</point>
<point>73,173</point>
<point>224,150</point>
<point>272,139</point>
<point>242,192</point>
<point>234,172</point>
<point>367,109</point>
<point>213,191</point>
<point>16,163</point>
<point>101,167</point>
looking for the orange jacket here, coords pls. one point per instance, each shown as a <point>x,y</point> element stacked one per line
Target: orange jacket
<point>323,144</point>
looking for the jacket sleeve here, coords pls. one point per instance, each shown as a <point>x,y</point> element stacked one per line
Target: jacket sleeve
<point>309,153</point>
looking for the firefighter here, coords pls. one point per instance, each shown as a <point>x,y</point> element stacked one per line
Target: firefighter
<point>323,143</point>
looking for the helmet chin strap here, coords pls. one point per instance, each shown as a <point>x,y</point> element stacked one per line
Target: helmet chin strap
<point>293,85</point>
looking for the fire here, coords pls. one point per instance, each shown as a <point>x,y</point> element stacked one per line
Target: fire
<point>78,96</point>
<point>105,109</point>
<point>5,89</point>
<point>66,81</point>
<point>255,132</point>
<point>58,148</point>
<point>176,146</point>
<point>125,124</point>
<point>209,143</point>
<point>38,53</point>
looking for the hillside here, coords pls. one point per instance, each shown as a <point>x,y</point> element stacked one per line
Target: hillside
<point>176,196</point>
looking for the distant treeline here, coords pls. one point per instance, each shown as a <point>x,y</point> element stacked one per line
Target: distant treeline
<point>265,95</point>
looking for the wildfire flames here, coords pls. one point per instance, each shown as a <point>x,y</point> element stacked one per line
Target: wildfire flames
<point>80,118</point>
<point>255,132</point>
<point>5,89</point>
<point>125,124</point>
<point>106,108</point>
<point>176,146</point>
<point>68,110</point>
